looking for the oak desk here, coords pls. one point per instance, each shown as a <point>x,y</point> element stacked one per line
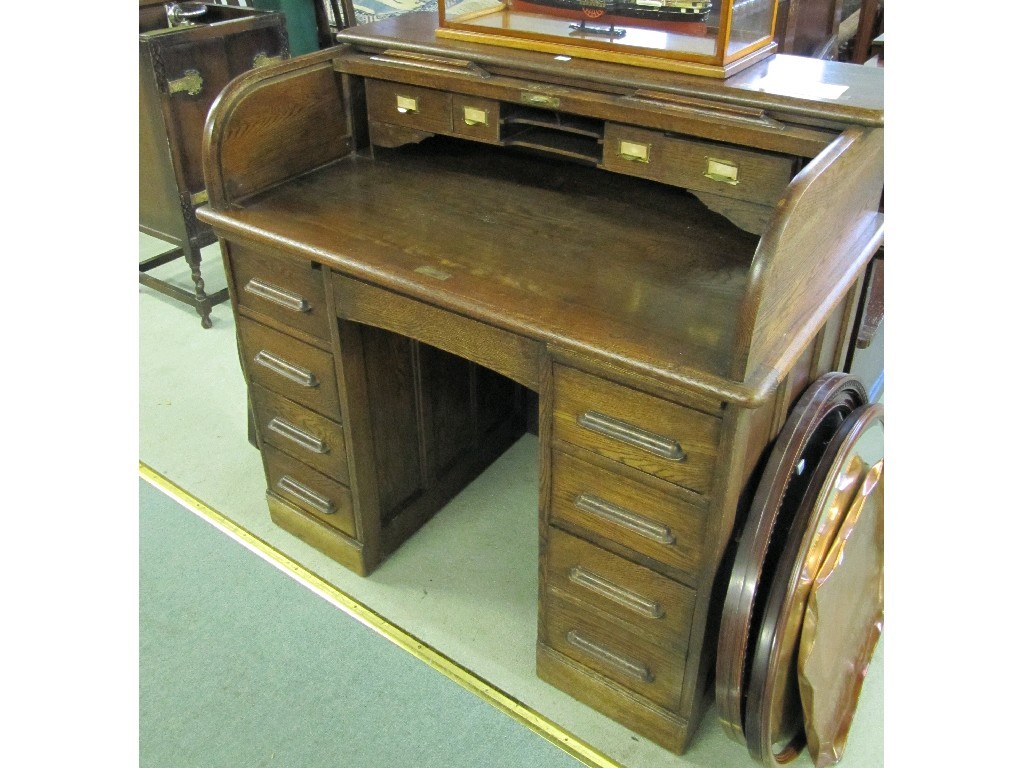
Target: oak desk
<point>434,246</point>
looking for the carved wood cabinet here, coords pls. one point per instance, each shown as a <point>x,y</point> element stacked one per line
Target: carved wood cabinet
<point>433,246</point>
<point>181,71</point>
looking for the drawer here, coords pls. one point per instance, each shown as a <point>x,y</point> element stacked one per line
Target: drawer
<point>301,433</point>
<point>307,489</point>
<point>641,518</point>
<point>474,118</point>
<point>409,105</point>
<point>653,604</point>
<point>743,174</point>
<point>287,290</point>
<point>653,671</point>
<point>289,367</point>
<point>655,436</point>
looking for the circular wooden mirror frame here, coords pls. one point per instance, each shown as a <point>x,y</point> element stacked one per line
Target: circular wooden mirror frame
<point>772,687</point>
<point>812,423</point>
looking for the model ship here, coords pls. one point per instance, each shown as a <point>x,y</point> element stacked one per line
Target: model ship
<point>658,10</point>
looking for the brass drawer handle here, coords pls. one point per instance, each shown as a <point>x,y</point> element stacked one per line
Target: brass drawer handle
<point>279,296</point>
<point>407,104</point>
<point>638,524</point>
<point>665,447</point>
<point>722,171</point>
<point>474,116</point>
<point>191,83</point>
<point>612,591</point>
<point>624,664</point>
<point>282,367</point>
<point>635,151</point>
<point>294,488</point>
<point>296,435</point>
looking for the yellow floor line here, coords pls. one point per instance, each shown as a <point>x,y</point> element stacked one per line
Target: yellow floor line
<point>357,610</point>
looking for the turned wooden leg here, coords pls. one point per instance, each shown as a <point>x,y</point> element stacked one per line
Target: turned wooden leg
<point>202,303</point>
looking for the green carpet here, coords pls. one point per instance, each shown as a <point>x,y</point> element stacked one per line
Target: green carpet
<point>240,665</point>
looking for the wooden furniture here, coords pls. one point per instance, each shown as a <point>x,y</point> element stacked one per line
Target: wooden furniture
<point>422,236</point>
<point>181,71</point>
<point>809,27</point>
<point>332,16</point>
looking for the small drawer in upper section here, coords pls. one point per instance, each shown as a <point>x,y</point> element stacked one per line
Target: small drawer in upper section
<point>651,603</point>
<point>655,524</point>
<point>721,169</point>
<point>410,106</point>
<point>289,291</point>
<point>326,500</point>
<point>475,118</point>
<point>300,433</point>
<point>655,436</point>
<point>288,367</point>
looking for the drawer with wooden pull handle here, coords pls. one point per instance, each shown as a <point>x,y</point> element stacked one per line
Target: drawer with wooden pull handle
<point>290,291</point>
<point>653,670</point>
<point>298,371</point>
<point>304,487</point>
<point>652,603</point>
<point>661,438</point>
<point>301,433</point>
<point>649,521</point>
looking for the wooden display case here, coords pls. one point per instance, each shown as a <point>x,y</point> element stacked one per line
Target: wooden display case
<point>716,38</point>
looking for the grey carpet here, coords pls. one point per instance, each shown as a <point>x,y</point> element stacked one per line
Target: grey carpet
<point>240,665</point>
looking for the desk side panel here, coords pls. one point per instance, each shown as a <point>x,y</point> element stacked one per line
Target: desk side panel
<point>273,125</point>
<point>825,230</point>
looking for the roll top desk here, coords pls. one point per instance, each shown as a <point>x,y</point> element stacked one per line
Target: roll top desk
<point>434,246</point>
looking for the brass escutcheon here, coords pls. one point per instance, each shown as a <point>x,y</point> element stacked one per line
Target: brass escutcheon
<point>261,60</point>
<point>540,100</point>
<point>191,83</point>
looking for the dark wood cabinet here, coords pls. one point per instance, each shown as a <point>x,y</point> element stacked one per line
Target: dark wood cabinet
<point>182,69</point>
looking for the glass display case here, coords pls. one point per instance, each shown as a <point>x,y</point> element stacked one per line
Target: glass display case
<point>704,37</point>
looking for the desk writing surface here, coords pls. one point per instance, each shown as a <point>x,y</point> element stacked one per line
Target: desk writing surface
<point>554,251</point>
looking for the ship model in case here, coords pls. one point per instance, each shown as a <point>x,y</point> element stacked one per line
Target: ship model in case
<point>705,37</point>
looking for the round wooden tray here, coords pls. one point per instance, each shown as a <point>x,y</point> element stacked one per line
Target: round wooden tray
<point>842,624</point>
<point>798,449</point>
<point>774,715</point>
